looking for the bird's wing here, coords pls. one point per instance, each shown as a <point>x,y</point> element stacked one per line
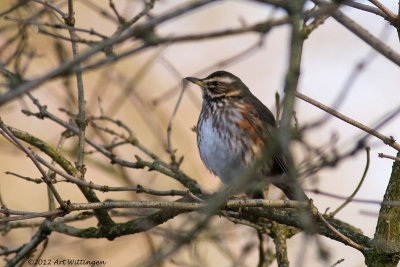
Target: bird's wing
<point>264,124</point>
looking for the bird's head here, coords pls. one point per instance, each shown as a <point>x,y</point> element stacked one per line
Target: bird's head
<point>220,84</point>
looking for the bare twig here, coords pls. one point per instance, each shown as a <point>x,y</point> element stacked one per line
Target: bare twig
<point>14,7</point>
<point>223,63</point>
<point>36,223</point>
<point>261,249</point>
<point>365,201</point>
<point>75,39</point>
<point>37,180</point>
<point>52,174</point>
<point>158,165</point>
<point>364,7</point>
<point>27,248</point>
<point>121,20</point>
<point>350,198</point>
<point>387,140</point>
<point>68,66</point>
<point>392,17</point>
<point>149,5</point>
<point>81,118</point>
<point>53,7</point>
<point>56,26</point>
<point>381,155</point>
<point>337,262</point>
<point>106,188</point>
<point>363,34</point>
<point>170,148</point>
<point>345,238</point>
<point>45,178</point>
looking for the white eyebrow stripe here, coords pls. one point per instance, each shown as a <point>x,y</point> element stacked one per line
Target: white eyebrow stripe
<point>224,79</point>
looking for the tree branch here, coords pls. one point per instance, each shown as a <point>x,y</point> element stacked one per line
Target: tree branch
<point>386,242</point>
<point>387,140</point>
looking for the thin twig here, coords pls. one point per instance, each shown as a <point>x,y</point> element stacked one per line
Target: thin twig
<point>222,63</point>
<point>392,17</point>
<point>36,223</point>
<point>342,236</point>
<point>363,34</point>
<point>102,216</point>
<point>121,20</point>
<point>68,66</point>
<point>45,178</point>
<point>81,118</point>
<point>261,249</point>
<point>52,174</point>
<point>55,26</point>
<point>364,7</point>
<point>27,248</point>
<point>365,201</point>
<point>387,140</point>
<point>381,155</point>
<point>53,7</point>
<point>170,148</point>
<point>157,165</point>
<point>350,198</point>
<point>106,188</point>
<point>12,8</point>
<point>337,262</point>
<point>144,12</point>
<point>75,39</point>
<point>36,181</point>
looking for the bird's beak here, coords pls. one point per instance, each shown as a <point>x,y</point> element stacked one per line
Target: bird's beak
<point>197,81</point>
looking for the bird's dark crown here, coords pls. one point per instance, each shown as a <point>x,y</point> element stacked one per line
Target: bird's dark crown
<point>220,84</point>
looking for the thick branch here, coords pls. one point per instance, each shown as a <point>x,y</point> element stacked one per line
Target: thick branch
<point>387,234</point>
<point>293,218</point>
<point>120,229</point>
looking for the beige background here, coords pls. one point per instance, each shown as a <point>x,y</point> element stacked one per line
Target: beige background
<point>330,54</point>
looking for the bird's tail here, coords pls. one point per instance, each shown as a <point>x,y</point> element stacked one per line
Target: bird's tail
<point>293,191</point>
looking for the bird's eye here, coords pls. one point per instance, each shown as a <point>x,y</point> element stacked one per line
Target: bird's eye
<point>215,83</point>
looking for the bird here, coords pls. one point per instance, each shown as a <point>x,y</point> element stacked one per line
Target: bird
<point>234,130</point>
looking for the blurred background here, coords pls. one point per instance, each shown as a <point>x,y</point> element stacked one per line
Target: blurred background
<point>142,90</point>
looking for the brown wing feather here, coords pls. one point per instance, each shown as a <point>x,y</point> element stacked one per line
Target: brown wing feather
<point>263,121</point>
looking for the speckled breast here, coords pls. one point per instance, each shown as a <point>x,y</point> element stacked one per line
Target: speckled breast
<point>226,146</point>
